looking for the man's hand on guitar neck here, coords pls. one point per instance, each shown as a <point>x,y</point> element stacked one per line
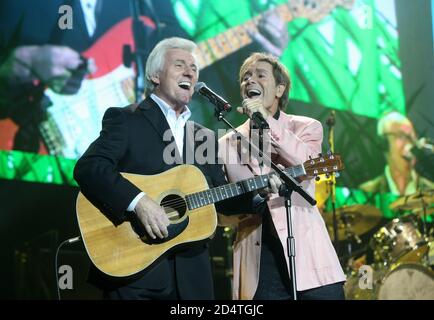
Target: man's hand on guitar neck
<point>272,33</point>
<point>273,186</point>
<point>153,217</point>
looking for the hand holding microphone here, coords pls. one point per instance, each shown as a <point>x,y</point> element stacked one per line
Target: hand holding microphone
<point>254,109</point>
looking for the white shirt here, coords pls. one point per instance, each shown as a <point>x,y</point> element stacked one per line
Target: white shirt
<point>88,7</point>
<point>409,189</point>
<point>177,126</point>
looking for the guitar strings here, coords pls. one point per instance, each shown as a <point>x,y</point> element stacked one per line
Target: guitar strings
<point>189,198</point>
<point>182,201</point>
<point>188,201</point>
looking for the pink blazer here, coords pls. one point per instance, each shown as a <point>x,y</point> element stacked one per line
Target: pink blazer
<point>295,138</point>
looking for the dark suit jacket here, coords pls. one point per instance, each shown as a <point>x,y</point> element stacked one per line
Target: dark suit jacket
<point>39,22</point>
<point>131,141</point>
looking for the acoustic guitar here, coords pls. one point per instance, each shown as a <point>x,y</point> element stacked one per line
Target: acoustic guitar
<point>184,194</point>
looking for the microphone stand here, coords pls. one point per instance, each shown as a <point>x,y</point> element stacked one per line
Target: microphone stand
<point>288,186</point>
<point>332,183</point>
<point>262,126</point>
<point>140,45</point>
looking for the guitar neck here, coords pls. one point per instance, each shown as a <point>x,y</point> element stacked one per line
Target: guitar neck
<point>230,41</point>
<point>210,196</point>
<point>214,49</point>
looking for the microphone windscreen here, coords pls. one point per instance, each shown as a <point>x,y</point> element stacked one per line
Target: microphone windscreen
<point>199,86</point>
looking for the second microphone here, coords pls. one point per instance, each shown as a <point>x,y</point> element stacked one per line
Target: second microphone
<point>213,97</point>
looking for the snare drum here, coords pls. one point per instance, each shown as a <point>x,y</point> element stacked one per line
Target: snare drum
<point>397,238</point>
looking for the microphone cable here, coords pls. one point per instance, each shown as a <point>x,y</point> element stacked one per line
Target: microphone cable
<point>68,241</point>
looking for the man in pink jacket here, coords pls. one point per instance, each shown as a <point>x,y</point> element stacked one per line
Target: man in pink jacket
<point>261,268</point>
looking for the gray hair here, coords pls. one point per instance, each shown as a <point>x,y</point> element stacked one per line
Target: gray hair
<point>156,59</point>
<point>387,119</point>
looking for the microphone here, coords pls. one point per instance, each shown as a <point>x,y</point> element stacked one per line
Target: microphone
<point>424,144</point>
<point>213,97</point>
<point>423,151</point>
<point>420,148</point>
<point>259,120</point>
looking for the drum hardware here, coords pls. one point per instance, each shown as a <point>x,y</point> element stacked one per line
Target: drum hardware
<point>354,221</point>
<point>420,211</point>
<point>403,251</point>
<point>397,238</point>
<point>331,182</point>
<point>419,202</point>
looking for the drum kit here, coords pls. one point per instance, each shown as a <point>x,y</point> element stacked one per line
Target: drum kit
<point>397,257</point>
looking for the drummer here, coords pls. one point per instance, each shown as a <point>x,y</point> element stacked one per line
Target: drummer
<point>399,177</point>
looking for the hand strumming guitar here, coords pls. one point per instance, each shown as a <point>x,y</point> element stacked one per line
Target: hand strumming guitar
<point>152,217</point>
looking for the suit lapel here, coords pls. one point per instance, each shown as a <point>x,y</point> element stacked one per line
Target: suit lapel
<point>157,120</point>
<point>155,117</point>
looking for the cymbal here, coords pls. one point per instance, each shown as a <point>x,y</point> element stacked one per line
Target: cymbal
<point>420,212</point>
<point>355,219</point>
<point>416,200</point>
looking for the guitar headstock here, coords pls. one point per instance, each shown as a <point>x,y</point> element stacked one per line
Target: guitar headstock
<point>324,164</point>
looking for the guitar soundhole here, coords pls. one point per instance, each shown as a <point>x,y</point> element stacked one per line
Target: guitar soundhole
<point>174,206</point>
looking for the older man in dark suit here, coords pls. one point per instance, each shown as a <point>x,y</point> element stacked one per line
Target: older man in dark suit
<point>133,140</point>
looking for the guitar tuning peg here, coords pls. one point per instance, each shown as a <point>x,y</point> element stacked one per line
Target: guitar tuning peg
<point>327,175</point>
<point>317,178</point>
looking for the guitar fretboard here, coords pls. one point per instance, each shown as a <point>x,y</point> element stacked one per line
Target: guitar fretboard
<point>220,46</point>
<point>206,197</point>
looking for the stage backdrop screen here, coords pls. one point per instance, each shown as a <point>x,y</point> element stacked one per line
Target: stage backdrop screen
<point>342,55</point>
